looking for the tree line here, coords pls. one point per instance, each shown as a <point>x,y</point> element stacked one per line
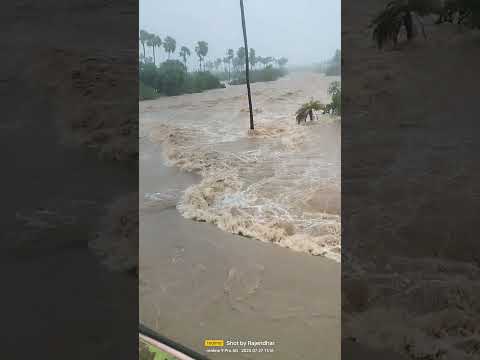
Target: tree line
<point>233,61</point>
<point>331,67</point>
<point>172,77</point>
<point>236,61</point>
<point>169,45</point>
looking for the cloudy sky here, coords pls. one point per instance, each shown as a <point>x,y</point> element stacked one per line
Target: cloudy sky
<point>304,31</point>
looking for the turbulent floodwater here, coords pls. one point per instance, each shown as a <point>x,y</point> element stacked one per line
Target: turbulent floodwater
<point>280,183</point>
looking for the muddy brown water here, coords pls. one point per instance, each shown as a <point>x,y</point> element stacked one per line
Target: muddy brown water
<point>198,282</point>
<point>280,183</point>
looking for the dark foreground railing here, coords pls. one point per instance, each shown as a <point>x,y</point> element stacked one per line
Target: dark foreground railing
<point>167,345</point>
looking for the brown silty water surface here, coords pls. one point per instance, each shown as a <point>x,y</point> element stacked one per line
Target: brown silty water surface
<point>279,184</point>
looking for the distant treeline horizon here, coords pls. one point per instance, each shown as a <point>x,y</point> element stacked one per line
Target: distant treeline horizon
<point>174,77</point>
<point>233,60</point>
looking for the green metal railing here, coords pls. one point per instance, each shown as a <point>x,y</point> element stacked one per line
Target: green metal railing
<point>176,350</point>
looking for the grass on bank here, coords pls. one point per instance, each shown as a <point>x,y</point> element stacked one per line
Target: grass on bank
<point>149,352</point>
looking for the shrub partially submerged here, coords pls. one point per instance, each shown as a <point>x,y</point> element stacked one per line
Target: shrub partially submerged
<point>171,78</point>
<point>335,106</point>
<point>405,14</point>
<point>388,23</point>
<point>307,109</point>
<point>268,74</point>
<point>200,81</point>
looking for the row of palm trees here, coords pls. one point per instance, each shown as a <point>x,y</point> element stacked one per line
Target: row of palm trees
<point>238,62</point>
<point>170,45</point>
<point>154,41</point>
<point>231,61</point>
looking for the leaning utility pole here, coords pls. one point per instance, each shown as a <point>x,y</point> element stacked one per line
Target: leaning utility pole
<point>247,73</point>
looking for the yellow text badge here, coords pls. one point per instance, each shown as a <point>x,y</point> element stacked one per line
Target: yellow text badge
<point>209,343</point>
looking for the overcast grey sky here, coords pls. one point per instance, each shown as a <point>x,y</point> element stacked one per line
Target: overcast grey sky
<point>304,31</point>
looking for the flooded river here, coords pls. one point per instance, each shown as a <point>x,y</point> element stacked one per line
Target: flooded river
<point>279,184</point>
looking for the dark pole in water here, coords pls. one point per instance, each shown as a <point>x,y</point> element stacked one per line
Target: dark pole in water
<point>247,73</point>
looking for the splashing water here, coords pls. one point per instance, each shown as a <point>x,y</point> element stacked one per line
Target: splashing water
<point>279,183</point>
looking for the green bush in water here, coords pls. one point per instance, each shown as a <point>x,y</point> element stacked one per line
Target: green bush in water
<point>335,106</point>
<point>172,76</point>
<point>201,81</point>
<point>307,110</point>
<point>148,75</point>
<point>268,74</point>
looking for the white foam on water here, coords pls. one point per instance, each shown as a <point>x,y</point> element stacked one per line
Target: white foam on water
<point>278,183</point>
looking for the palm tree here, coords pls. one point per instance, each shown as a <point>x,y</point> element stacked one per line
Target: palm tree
<point>247,73</point>
<point>241,56</point>
<point>218,62</point>
<point>156,41</point>
<point>264,60</point>
<point>253,58</point>
<point>307,110</point>
<point>388,24</point>
<point>282,61</point>
<point>230,56</point>
<point>259,59</point>
<point>236,63</point>
<point>226,63</point>
<point>144,35</point>
<point>202,50</point>
<point>209,65</point>
<point>400,14</point>
<point>169,44</point>
<point>151,43</point>
<point>184,52</point>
